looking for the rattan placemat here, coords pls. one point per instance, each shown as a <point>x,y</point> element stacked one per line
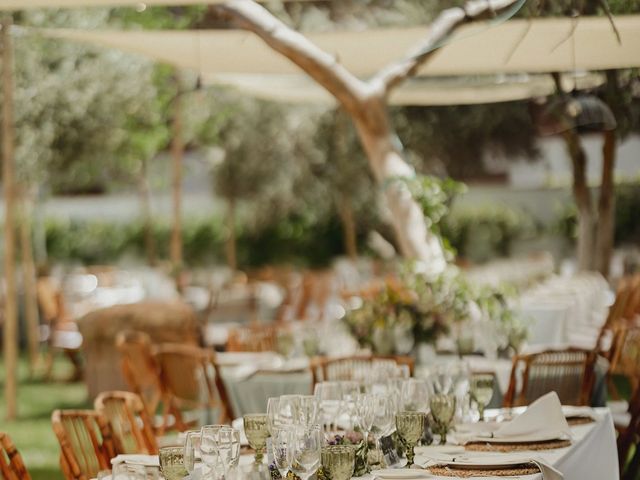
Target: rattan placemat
<point>516,447</point>
<point>512,471</point>
<point>572,421</point>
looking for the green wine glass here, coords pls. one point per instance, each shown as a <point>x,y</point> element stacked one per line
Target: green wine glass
<point>443,409</point>
<point>410,426</point>
<point>256,431</point>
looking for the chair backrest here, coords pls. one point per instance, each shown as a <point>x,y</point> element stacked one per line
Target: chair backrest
<point>252,338</point>
<point>625,356</point>
<point>567,372</point>
<point>190,379</point>
<point>617,310</point>
<point>356,367</point>
<point>11,464</point>
<point>139,368</point>
<point>633,301</point>
<point>85,441</point>
<point>130,423</point>
<point>629,442</point>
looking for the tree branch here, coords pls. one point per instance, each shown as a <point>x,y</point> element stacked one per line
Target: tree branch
<point>447,22</point>
<point>318,64</point>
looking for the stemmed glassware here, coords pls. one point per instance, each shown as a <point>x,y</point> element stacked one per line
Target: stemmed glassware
<point>329,395</point>
<point>443,409</point>
<point>410,426</point>
<point>482,391</point>
<point>364,410</point>
<point>308,410</point>
<point>257,432</point>
<point>219,448</point>
<point>280,439</point>
<point>172,462</point>
<point>414,395</point>
<point>383,415</point>
<point>191,450</point>
<point>288,409</point>
<point>304,448</point>
<point>442,378</point>
<point>338,461</point>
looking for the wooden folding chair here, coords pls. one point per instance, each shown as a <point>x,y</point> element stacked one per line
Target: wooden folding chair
<point>629,442</point>
<point>627,288</point>
<point>11,464</point>
<point>253,338</point>
<point>130,424</point>
<point>570,373</point>
<point>85,441</point>
<point>139,368</point>
<point>354,367</point>
<point>63,334</point>
<point>190,381</point>
<point>624,359</point>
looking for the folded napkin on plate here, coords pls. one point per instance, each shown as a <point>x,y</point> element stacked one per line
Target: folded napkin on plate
<point>137,459</point>
<point>542,420</point>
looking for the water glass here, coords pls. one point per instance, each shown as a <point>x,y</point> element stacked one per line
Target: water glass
<point>256,431</point>
<point>338,461</point>
<point>305,445</point>
<point>383,415</point>
<point>443,409</point>
<point>308,410</point>
<point>192,450</point>
<point>329,395</point>
<point>273,414</point>
<point>410,426</point>
<point>280,440</point>
<point>172,463</point>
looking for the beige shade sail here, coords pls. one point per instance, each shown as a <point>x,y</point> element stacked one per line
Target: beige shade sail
<point>516,46</point>
<point>30,4</point>
<point>416,91</point>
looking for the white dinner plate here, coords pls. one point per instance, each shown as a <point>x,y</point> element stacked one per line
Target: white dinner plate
<point>467,460</point>
<point>528,438</point>
<point>399,473</point>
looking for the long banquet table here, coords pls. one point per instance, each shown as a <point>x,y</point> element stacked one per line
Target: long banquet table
<point>592,455</point>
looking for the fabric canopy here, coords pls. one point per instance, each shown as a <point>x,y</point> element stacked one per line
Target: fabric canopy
<point>30,4</point>
<point>416,91</point>
<point>516,46</point>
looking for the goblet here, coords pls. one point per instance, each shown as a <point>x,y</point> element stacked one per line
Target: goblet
<point>172,463</point>
<point>443,409</point>
<point>482,391</point>
<point>255,428</point>
<point>339,461</point>
<point>410,426</point>
<point>305,446</point>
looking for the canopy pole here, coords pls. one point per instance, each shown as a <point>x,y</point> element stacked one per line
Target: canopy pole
<point>8,186</point>
<point>177,153</point>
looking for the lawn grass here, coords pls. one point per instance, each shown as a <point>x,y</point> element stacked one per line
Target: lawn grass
<point>32,432</point>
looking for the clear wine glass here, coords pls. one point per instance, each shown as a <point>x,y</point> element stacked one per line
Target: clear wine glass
<point>192,450</point>
<point>442,378</point>
<point>289,409</point>
<point>273,414</point>
<point>329,395</point>
<point>482,391</point>
<point>383,416</point>
<point>280,440</point>
<point>308,410</point>
<point>350,391</point>
<point>305,447</point>
<point>414,395</point>
<point>364,418</point>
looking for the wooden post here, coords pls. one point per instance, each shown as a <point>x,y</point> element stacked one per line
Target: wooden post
<point>29,283</point>
<point>10,307</point>
<point>177,153</point>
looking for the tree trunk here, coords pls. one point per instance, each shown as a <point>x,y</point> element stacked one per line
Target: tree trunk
<point>29,284</point>
<point>10,330</point>
<point>365,101</point>
<point>383,149</point>
<point>606,205</point>
<point>147,217</point>
<point>177,152</point>
<point>231,251</point>
<point>582,197</point>
<point>348,227</point>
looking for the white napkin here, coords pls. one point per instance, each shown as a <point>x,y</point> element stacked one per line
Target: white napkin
<point>137,459</point>
<point>542,420</point>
